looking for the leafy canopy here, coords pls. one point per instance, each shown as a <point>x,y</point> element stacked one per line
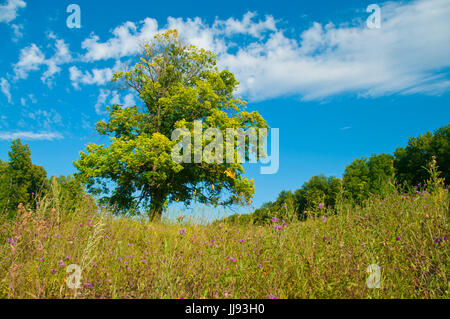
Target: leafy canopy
<point>177,85</point>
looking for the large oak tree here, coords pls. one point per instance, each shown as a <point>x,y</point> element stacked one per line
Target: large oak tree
<point>177,85</point>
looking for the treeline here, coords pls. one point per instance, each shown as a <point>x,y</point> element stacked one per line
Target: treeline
<point>22,182</point>
<point>406,169</point>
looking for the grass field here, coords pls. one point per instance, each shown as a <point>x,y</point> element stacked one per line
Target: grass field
<point>404,235</point>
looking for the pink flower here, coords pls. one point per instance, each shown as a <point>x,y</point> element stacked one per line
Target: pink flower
<point>324,219</point>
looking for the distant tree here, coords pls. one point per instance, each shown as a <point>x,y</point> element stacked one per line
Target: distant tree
<point>368,176</point>
<point>21,180</point>
<point>71,193</point>
<point>4,186</point>
<point>177,84</point>
<point>411,162</point>
<point>319,189</point>
<point>20,174</point>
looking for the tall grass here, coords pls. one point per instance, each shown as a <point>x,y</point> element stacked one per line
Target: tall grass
<point>406,235</point>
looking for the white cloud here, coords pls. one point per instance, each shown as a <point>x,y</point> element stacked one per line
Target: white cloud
<point>47,119</point>
<point>96,76</point>
<point>8,11</point>
<point>101,100</point>
<point>32,58</point>
<point>409,54</point>
<point>6,89</point>
<point>43,136</point>
<point>111,97</point>
<point>17,31</point>
<point>126,41</point>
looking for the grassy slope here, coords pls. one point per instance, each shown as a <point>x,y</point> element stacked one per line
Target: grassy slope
<point>124,258</point>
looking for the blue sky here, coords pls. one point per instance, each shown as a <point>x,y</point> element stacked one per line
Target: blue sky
<point>336,89</point>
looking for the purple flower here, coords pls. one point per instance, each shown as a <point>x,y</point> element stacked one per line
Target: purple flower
<point>11,241</point>
<point>241,240</point>
<point>445,238</point>
<point>324,238</point>
<point>88,284</point>
<point>272,297</point>
<point>437,240</point>
<point>144,261</point>
<point>279,227</point>
<point>41,259</point>
<point>284,206</point>
<point>61,265</point>
<point>67,257</point>
<point>324,219</point>
<point>403,197</point>
<point>53,271</point>
<point>398,238</point>
<point>321,205</point>
<point>182,231</point>
<point>275,219</point>
<point>232,259</point>
<point>260,266</point>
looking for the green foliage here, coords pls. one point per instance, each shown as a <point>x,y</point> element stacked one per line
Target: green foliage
<point>411,162</point>
<point>177,84</point>
<point>364,177</point>
<point>21,181</point>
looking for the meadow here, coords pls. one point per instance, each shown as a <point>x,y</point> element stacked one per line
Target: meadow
<point>326,256</point>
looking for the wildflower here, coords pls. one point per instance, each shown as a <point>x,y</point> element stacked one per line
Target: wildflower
<point>88,284</point>
<point>225,294</point>
<point>284,206</point>
<point>445,238</point>
<point>94,264</point>
<point>260,266</point>
<point>182,231</point>
<point>275,219</point>
<point>144,261</point>
<point>67,257</point>
<point>53,271</point>
<point>272,297</point>
<point>57,235</point>
<point>403,197</point>
<point>324,238</point>
<point>11,241</point>
<point>398,238</point>
<point>61,265</point>
<point>437,240</point>
<point>128,245</point>
<point>232,259</point>
<point>241,240</point>
<point>279,227</point>
<point>81,224</point>
<point>324,219</point>
<point>89,224</point>
<point>321,205</point>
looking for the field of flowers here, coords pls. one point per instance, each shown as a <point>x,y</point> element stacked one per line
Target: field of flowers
<point>405,235</point>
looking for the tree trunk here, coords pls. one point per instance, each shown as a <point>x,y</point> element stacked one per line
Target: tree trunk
<point>156,207</point>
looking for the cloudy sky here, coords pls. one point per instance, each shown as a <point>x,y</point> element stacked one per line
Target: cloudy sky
<point>335,88</point>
